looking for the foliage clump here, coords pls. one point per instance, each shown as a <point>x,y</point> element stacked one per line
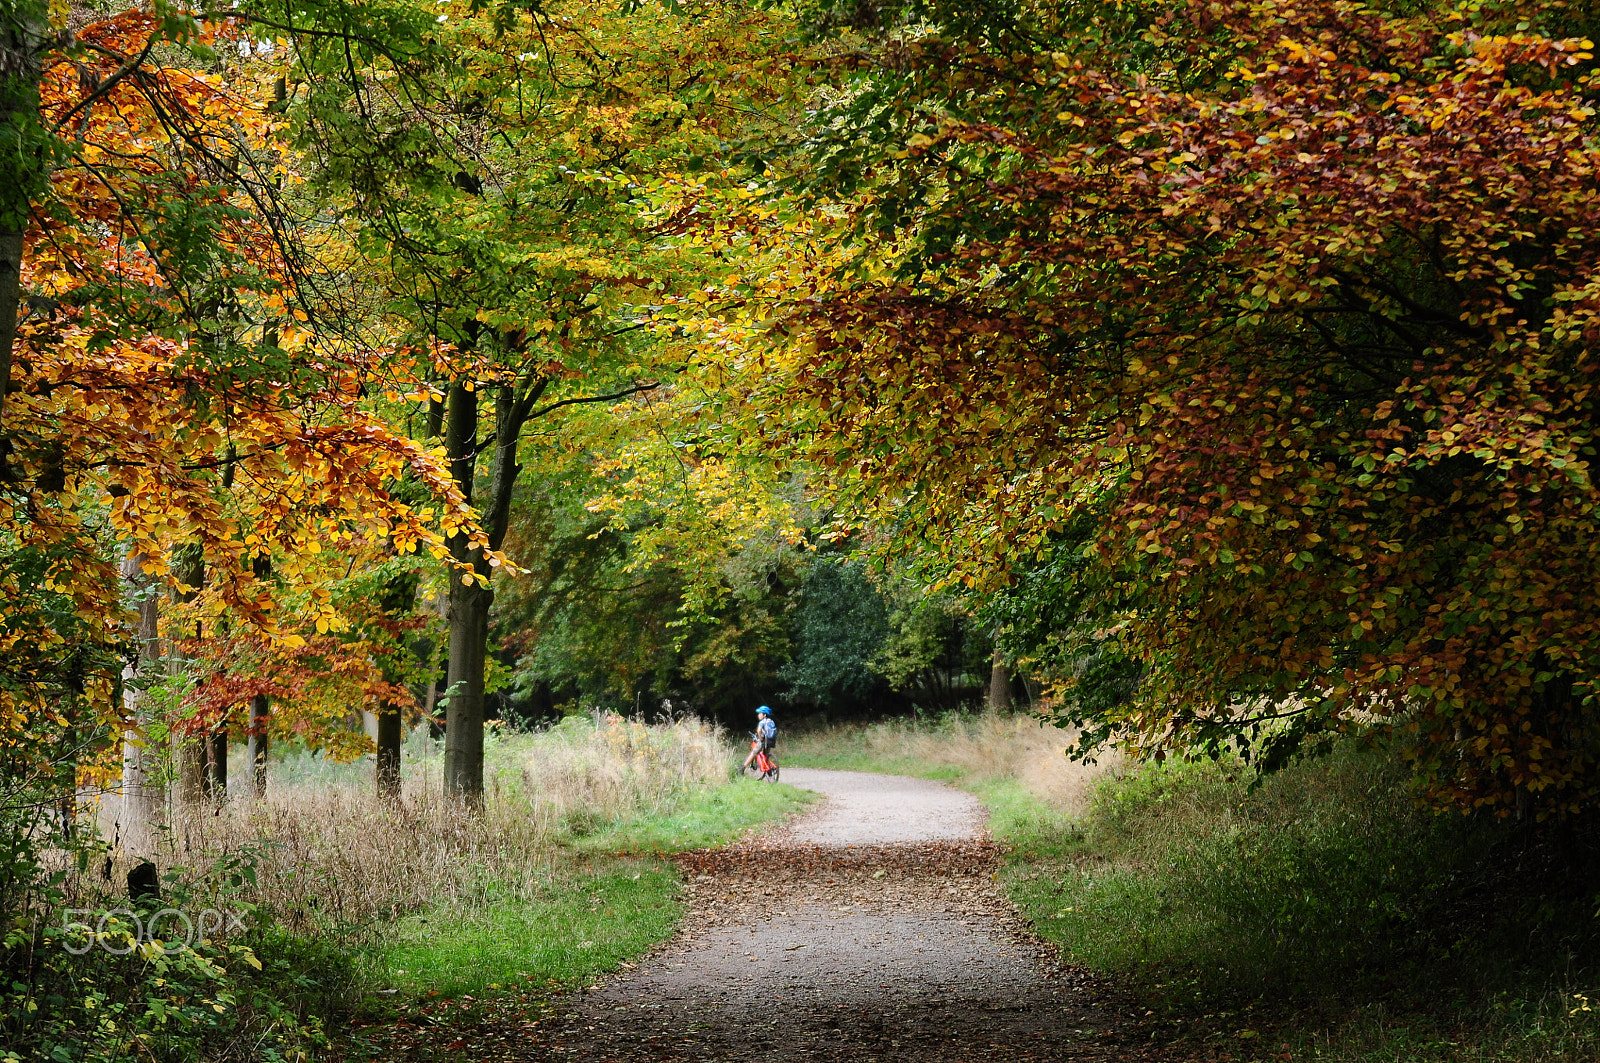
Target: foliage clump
<point>1265,325</point>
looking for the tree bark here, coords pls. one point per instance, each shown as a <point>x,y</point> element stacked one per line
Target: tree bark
<point>463,728</point>
<point>388,738</point>
<point>214,777</point>
<point>397,600</point>
<point>258,744</point>
<point>10,305</point>
<point>141,792</point>
<point>191,752</point>
<point>999,684</point>
<point>469,617</point>
<point>470,601</point>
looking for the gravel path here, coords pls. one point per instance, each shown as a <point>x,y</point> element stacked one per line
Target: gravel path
<point>867,809</point>
<point>870,930</point>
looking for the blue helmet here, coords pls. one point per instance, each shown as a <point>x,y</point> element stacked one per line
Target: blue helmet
<point>763,711</point>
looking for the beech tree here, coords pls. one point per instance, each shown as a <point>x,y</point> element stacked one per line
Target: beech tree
<point>1266,325</point>
<point>499,185</point>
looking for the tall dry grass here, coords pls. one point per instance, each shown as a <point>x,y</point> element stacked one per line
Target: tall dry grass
<point>978,748</point>
<point>579,776</point>
<point>329,855</point>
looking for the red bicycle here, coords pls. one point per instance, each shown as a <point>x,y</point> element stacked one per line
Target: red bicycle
<point>766,767</point>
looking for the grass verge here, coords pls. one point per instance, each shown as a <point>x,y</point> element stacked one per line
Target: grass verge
<point>576,922</point>
<point>714,817</point>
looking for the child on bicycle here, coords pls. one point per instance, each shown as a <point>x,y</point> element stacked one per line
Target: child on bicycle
<point>766,737</point>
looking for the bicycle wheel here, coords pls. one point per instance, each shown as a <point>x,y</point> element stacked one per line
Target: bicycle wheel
<point>770,775</point>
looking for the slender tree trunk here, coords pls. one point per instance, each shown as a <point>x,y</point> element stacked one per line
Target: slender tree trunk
<point>431,706</point>
<point>141,793</point>
<point>257,745</point>
<point>214,779</point>
<point>10,304</point>
<point>189,756</point>
<point>388,772</point>
<point>215,776</point>
<point>463,729</point>
<point>470,599</point>
<point>190,752</point>
<point>469,618</point>
<point>468,649</point>
<point>397,600</point>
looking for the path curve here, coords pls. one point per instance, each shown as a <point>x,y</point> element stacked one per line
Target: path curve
<point>869,930</point>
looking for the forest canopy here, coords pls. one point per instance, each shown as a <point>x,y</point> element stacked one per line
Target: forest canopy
<point>1236,355</point>
<point>1211,376</point>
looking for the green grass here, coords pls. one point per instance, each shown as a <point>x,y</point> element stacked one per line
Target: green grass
<point>864,760</point>
<point>1026,825</point>
<point>711,818</point>
<point>578,922</point>
<point>606,898</point>
<point>850,749</point>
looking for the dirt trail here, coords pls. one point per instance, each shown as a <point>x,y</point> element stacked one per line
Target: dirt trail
<point>867,931</point>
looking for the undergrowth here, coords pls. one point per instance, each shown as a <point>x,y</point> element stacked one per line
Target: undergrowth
<point>346,905</point>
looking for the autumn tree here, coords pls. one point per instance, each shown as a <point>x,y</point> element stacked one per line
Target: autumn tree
<point>1265,325</point>
<point>170,390</point>
<point>499,191</point>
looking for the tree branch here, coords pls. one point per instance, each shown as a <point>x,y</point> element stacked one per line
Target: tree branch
<point>541,411</point>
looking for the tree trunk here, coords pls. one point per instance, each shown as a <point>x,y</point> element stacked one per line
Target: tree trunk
<point>463,729</point>
<point>214,777</point>
<point>190,751</point>
<point>470,600</point>
<point>436,684</point>
<point>257,745</point>
<point>999,684</point>
<point>388,773</point>
<point>469,618</point>
<point>141,792</point>
<point>190,754</point>
<point>397,599</point>
<point>10,304</point>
